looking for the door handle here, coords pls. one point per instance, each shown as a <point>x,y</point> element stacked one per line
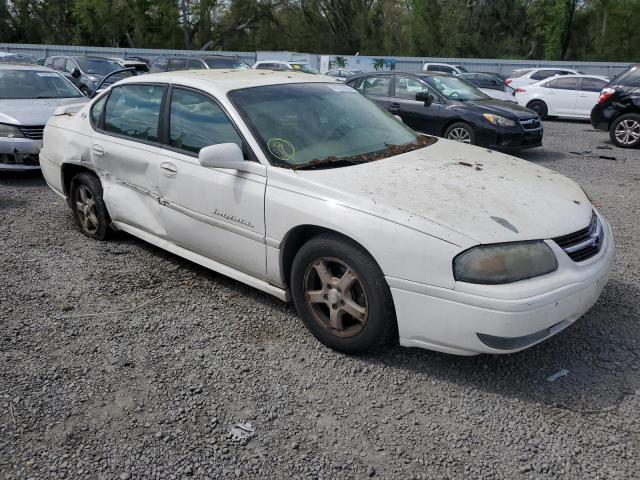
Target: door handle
<point>168,169</point>
<point>97,150</point>
<point>394,106</point>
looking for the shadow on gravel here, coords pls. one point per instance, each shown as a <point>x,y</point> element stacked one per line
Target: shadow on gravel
<point>600,351</point>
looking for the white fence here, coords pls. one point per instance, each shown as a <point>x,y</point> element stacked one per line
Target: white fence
<point>365,63</point>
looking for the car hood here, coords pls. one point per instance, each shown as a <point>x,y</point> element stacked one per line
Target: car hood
<point>501,107</point>
<point>485,196</point>
<point>29,111</point>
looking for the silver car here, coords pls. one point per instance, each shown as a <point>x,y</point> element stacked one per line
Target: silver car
<point>29,94</point>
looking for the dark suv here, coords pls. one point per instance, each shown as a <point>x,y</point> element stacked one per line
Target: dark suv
<point>170,64</point>
<point>84,72</point>
<point>618,109</point>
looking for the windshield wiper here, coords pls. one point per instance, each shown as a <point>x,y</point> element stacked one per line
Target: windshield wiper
<point>389,151</point>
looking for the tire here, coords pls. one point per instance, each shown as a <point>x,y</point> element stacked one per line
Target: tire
<point>85,91</point>
<point>461,132</point>
<point>87,204</point>
<point>539,107</point>
<point>625,131</point>
<point>353,286</point>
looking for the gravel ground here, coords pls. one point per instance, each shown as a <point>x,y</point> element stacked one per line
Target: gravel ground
<point>121,361</point>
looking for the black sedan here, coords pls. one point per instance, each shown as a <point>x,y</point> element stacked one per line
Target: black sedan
<point>450,107</point>
<point>618,109</point>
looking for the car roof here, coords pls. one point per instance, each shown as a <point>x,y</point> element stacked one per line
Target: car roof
<point>222,81</point>
<point>396,72</point>
<point>285,61</point>
<point>25,66</point>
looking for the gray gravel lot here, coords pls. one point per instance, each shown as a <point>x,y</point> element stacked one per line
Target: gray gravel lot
<point>118,360</point>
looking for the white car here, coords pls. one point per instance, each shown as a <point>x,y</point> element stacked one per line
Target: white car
<point>562,96</point>
<point>305,189</point>
<point>527,76</point>
<point>444,68</point>
<point>281,65</point>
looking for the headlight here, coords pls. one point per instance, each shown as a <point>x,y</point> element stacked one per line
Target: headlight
<point>504,262</point>
<point>498,120</point>
<point>9,131</point>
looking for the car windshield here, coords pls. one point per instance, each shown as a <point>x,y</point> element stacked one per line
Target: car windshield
<point>31,84</point>
<point>329,124</point>
<point>226,63</point>
<point>455,88</point>
<point>303,67</point>
<point>462,69</point>
<point>98,65</point>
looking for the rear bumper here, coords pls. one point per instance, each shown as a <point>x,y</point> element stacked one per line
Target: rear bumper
<point>19,154</point>
<point>461,323</point>
<point>601,117</point>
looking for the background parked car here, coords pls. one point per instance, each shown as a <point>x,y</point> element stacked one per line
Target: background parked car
<point>343,74</point>
<point>618,109</point>
<point>29,94</point>
<point>139,65</point>
<point>84,72</point>
<point>491,84</point>
<point>562,96</point>
<point>170,64</point>
<point>448,106</point>
<point>17,58</point>
<point>443,68</point>
<point>527,76</point>
<point>281,65</point>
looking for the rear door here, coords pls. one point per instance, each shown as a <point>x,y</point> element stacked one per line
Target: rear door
<point>413,112</point>
<point>590,88</point>
<point>126,150</point>
<point>377,88</point>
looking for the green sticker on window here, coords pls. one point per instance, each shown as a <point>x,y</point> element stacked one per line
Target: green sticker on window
<point>281,149</point>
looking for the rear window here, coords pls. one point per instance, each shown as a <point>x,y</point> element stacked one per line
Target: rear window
<point>520,73</point>
<point>226,63</point>
<point>630,78</point>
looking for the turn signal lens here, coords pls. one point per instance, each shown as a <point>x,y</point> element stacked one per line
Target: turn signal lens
<point>508,81</point>
<point>520,90</point>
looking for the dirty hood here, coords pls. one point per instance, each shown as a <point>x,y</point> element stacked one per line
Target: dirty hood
<point>486,196</point>
<point>31,111</point>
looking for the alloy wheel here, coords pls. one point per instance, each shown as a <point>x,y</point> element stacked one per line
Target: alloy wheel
<point>628,132</point>
<point>336,297</point>
<point>86,208</point>
<point>460,135</point>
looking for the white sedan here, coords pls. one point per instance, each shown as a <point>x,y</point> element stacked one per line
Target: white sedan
<point>305,189</point>
<point>562,96</point>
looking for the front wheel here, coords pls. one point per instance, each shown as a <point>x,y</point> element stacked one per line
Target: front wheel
<point>625,131</point>
<point>342,295</point>
<point>461,132</point>
<point>89,209</point>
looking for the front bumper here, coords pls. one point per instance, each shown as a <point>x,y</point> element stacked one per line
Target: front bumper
<point>515,317</point>
<point>503,138</point>
<point>19,154</point>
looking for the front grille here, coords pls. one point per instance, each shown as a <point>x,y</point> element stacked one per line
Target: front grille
<point>34,132</point>
<point>585,243</point>
<point>530,123</point>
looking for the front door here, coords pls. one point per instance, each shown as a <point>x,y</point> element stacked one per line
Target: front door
<point>126,152</point>
<point>590,89</point>
<point>564,95</point>
<point>413,112</point>
<point>217,213</point>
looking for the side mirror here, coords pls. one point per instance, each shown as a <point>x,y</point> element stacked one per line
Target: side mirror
<point>424,97</point>
<point>222,155</point>
<point>75,73</point>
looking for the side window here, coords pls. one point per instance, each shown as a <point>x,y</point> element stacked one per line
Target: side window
<point>160,65</point>
<point>134,111</point>
<point>592,84</point>
<point>407,87</point>
<point>59,63</point>
<point>177,64</point>
<point>48,62</point>
<point>376,85</point>
<point>542,74</point>
<point>263,66</point>
<point>97,109</point>
<point>551,84</point>
<point>195,64</point>
<point>71,66</point>
<point>567,83</point>
<point>196,121</point>
<point>355,83</point>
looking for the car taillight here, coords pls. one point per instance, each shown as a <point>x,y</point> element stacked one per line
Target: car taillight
<point>520,90</point>
<point>508,81</point>
<point>605,93</point>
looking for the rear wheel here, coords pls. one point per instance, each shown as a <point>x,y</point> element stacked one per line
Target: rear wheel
<point>625,131</point>
<point>89,209</point>
<point>342,295</point>
<point>539,107</point>
<point>461,132</point>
